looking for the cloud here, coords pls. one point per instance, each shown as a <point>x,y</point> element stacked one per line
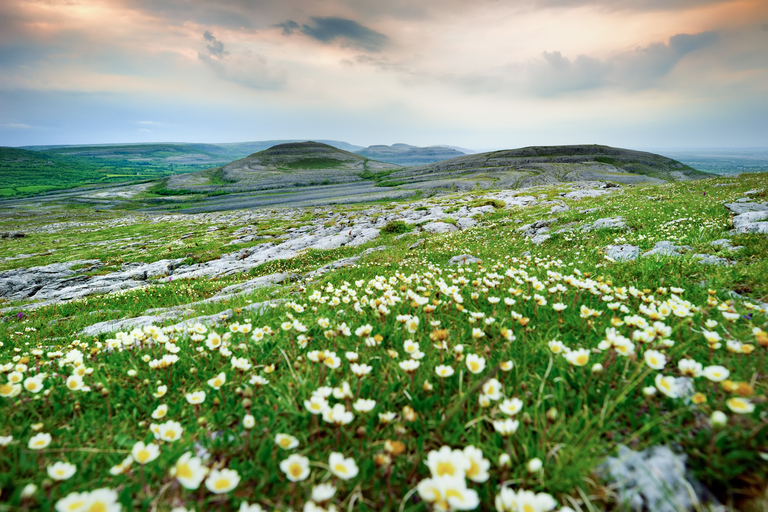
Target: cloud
<point>332,29</point>
<point>244,67</point>
<point>641,68</point>
<point>215,47</point>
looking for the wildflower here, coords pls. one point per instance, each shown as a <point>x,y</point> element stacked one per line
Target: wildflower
<point>33,384</point>
<point>218,381</point>
<point>196,397</point>
<point>245,507</point>
<point>506,427</point>
<point>649,391</point>
<point>337,415</point>
<point>99,499</point>
<point>316,404</point>
<point>286,442</point>
<point>505,461</point>
<point>740,405</point>
<point>667,385</point>
<point>690,368</point>
<point>10,390</point>
<point>448,493</point>
<point>597,368</point>
<point>716,373</point>
<point>122,467</point>
<point>221,481</point>
<point>323,492</point>
<point>475,363</point>
<point>511,406</point>
<point>344,468</point>
<point>249,421</point>
<point>492,389</point>
<point>534,465</point>
<point>510,501</point>
<point>478,466</point>
<point>5,440</point>
<point>506,366</point>
<point>295,467</point>
<point>409,365</point>
<point>74,383</point>
<point>364,405</point>
<point>718,419</point>
<point>189,471</point>
<point>578,357</point>
<point>655,359</point>
<point>447,461</point>
<point>160,412</point>
<point>61,470</point>
<point>443,371</point>
<point>161,391</point>
<point>145,453</point>
<point>170,431</point>
<point>39,441</point>
<point>387,417</point>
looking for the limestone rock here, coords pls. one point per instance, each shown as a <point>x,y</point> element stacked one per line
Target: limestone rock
<point>540,238</point>
<point>625,252</point>
<point>581,194</point>
<point>666,248</point>
<point>463,259</point>
<point>655,479</point>
<point>744,207</point>
<point>439,227</point>
<point>607,223</point>
<point>466,223</point>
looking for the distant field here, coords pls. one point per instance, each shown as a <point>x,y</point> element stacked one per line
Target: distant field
<point>722,161</point>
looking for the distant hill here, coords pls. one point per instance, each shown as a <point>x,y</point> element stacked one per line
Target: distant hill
<point>29,172</point>
<point>283,165</point>
<point>406,155</point>
<point>518,168</point>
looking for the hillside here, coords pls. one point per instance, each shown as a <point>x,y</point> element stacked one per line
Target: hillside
<point>525,167</point>
<point>293,164</point>
<point>407,155</point>
<point>28,172</point>
<point>571,345</point>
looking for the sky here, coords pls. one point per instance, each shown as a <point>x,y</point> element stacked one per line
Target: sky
<point>478,74</point>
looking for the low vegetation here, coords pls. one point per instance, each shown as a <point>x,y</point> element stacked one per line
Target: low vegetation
<point>402,383</point>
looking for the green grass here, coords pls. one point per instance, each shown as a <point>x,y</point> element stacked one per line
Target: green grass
<point>572,417</point>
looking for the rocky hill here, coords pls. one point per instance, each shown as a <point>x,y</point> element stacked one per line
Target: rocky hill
<point>293,164</point>
<point>525,167</point>
<point>407,155</point>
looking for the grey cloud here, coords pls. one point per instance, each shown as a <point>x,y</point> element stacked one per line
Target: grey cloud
<point>638,69</point>
<point>629,5</point>
<point>215,47</point>
<point>289,27</point>
<point>349,33</point>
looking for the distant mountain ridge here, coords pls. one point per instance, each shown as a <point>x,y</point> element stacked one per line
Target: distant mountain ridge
<point>290,164</point>
<point>539,165</point>
<point>407,155</point>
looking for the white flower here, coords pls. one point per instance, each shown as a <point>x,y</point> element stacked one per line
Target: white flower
<point>316,404</point>
<point>478,466</point>
<point>286,442</point>
<point>668,385</point>
<point>295,467</point>
<point>443,371</point>
<point>534,465</point>
<point>344,468</point>
<point>61,470</point>
<point>249,421</point>
<point>511,406</point>
<point>716,373</point>
<point>189,471</point>
<point>364,405</point>
<point>475,363</point>
<point>160,412</point>
<point>39,441</point>
<point>448,493</point>
<point>170,431</point>
<point>447,461</point>
<point>740,405</point>
<point>218,381</point>
<point>221,481</point>
<point>718,419</point>
<point>196,397</point>
<point>145,453</point>
<point>323,492</point>
<point>655,359</point>
<point>492,389</point>
<point>338,415</point>
<point>506,427</point>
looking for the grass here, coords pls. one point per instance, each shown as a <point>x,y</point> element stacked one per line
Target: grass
<point>573,415</point>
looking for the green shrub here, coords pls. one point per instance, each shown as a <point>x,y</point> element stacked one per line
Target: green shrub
<point>397,227</point>
<point>496,203</point>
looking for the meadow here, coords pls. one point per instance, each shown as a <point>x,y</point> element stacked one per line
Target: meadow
<point>402,383</point>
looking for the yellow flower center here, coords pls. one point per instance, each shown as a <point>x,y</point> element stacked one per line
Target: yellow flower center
<point>32,385</point>
<point>340,468</point>
<point>73,384</point>
<point>217,383</point>
<point>295,470</point>
<point>76,505</point>
<point>445,468</point>
<point>183,471</point>
<point>284,442</point>
<point>582,359</point>
<point>170,434</point>
<point>40,442</point>
<point>221,483</point>
<point>142,456</point>
<point>473,470</point>
<point>654,360</point>
<point>99,506</point>
<point>453,493</point>
<point>527,508</point>
<point>474,366</point>
<point>5,389</point>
